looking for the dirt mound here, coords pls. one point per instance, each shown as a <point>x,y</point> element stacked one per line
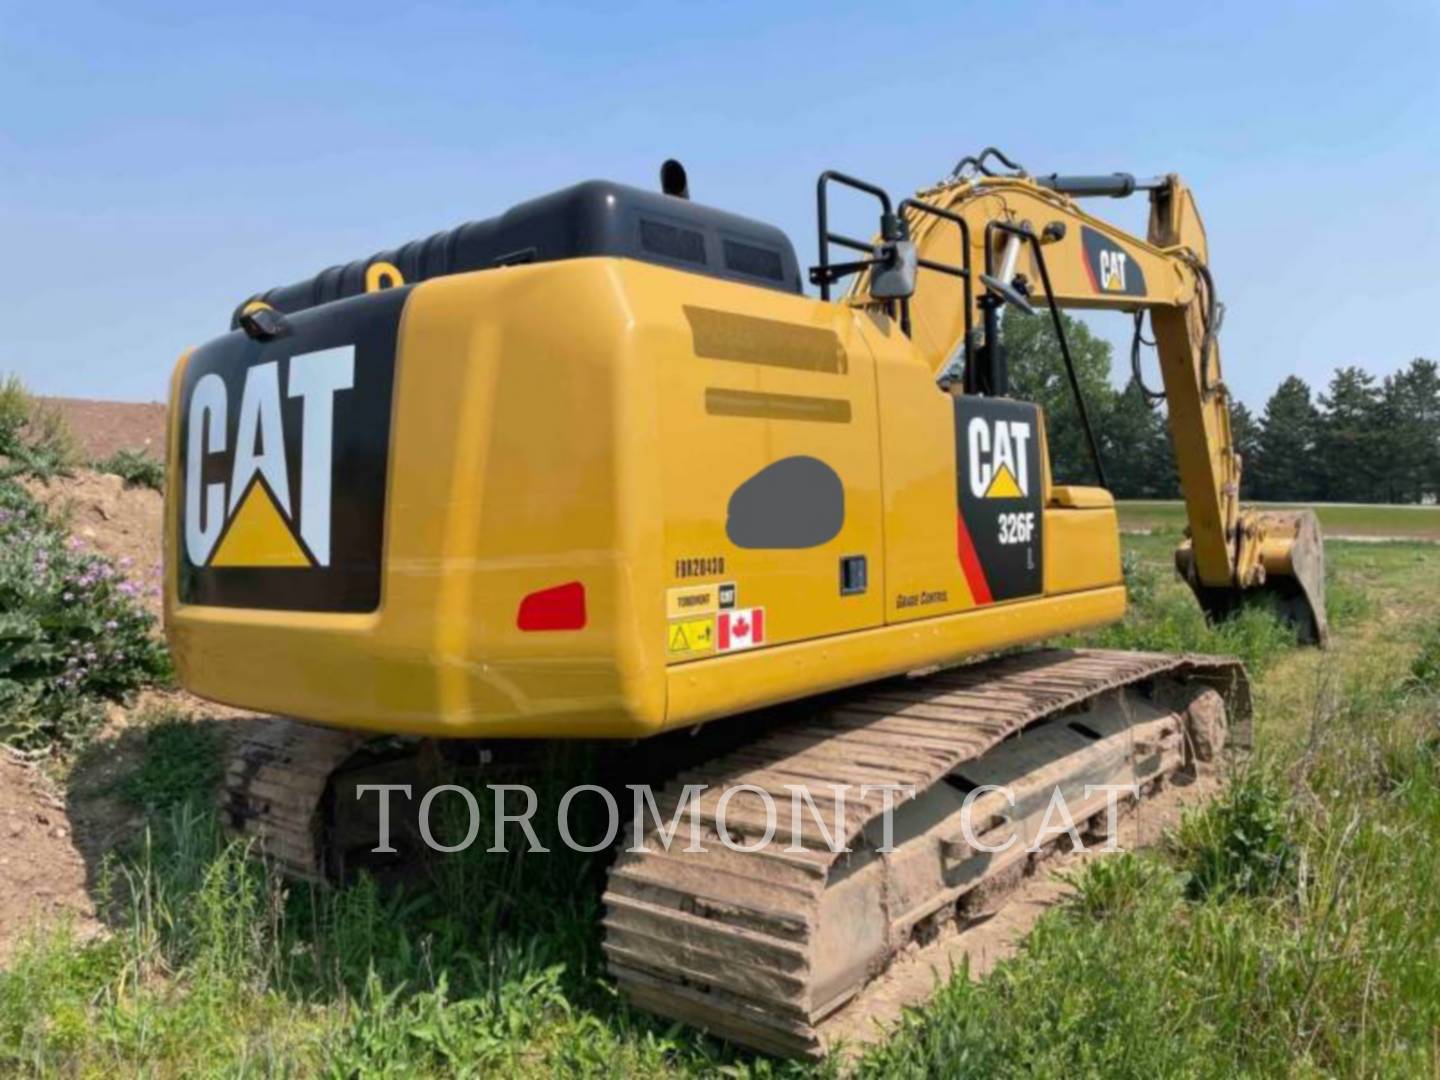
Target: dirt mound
<point>50,847</point>
<point>42,872</point>
<point>121,522</point>
<point>103,427</point>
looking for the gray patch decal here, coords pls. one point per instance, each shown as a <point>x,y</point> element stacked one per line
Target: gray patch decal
<point>796,502</point>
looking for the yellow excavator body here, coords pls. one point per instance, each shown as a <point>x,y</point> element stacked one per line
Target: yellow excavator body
<point>588,428</point>
<point>600,468</point>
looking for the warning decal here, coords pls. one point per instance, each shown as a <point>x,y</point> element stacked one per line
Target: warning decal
<point>690,637</point>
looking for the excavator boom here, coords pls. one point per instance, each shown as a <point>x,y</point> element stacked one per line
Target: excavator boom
<point>1039,246</point>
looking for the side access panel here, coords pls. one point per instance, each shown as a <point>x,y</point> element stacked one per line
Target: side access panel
<point>769,462</point>
<point>965,490</point>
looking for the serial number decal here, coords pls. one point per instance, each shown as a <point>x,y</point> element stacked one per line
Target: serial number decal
<point>706,566</point>
<point>1017,528</point>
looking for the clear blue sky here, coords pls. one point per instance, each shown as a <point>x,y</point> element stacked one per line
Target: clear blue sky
<point>159,163</point>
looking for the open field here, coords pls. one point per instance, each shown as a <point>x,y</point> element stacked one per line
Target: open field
<point>1337,520</point>
<point>1293,927</point>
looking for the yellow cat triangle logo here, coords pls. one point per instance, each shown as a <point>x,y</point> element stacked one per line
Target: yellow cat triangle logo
<point>258,535</point>
<point>1004,485</point>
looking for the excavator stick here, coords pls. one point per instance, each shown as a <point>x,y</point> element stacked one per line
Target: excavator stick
<point>1282,556</point>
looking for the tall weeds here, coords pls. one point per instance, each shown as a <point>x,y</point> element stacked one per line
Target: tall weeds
<point>1292,927</point>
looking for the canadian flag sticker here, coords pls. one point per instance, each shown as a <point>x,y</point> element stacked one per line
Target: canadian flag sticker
<point>740,628</point>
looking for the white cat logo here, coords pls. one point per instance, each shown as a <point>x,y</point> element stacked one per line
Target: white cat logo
<point>999,464</point>
<point>1112,271</point>
<point>251,519</point>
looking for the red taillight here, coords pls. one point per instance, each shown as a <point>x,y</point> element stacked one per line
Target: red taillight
<point>558,608</point>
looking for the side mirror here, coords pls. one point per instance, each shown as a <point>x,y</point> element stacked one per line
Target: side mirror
<point>892,276</point>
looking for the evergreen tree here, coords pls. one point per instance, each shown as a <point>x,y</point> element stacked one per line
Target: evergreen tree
<point>1366,442</point>
<point>1362,442</point>
<point>1037,373</point>
<point>1163,472</point>
<point>1284,466</point>
<point>1352,437</point>
<point>1423,380</point>
<point>1135,444</point>
<point>1245,438</point>
<point>1122,444</point>
<point>1410,418</point>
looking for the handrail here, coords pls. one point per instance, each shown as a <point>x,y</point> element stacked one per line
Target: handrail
<point>962,271</point>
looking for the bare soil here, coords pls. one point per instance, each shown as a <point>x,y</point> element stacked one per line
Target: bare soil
<point>103,427</point>
<point>52,846</point>
<point>43,875</point>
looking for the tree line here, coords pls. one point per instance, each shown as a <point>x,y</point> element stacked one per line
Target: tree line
<point>1362,440</point>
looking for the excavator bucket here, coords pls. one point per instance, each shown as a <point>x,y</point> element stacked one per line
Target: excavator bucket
<point>1290,572</point>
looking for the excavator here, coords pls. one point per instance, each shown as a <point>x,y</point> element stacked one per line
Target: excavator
<point>601,468</point>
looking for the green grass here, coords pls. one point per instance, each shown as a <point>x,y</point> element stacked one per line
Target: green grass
<point>34,439</point>
<point>1163,617</point>
<point>180,763</point>
<point>1425,669</point>
<point>1291,927</point>
<point>1336,520</point>
<point>135,467</point>
<point>491,966</point>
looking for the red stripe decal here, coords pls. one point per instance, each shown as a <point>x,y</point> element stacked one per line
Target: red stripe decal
<point>560,608</point>
<point>970,563</point>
